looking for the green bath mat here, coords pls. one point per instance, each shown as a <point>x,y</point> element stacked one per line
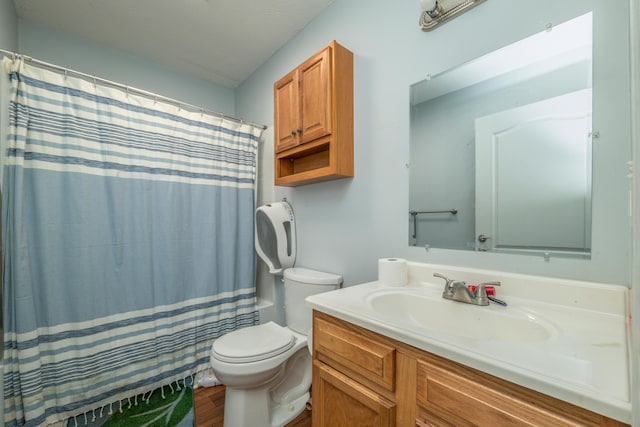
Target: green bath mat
<point>174,410</point>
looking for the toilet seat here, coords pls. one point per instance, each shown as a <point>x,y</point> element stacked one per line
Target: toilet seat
<point>253,343</point>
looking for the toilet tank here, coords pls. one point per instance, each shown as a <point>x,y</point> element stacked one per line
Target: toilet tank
<point>300,283</point>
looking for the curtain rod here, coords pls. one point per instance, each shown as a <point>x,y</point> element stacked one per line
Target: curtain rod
<point>129,89</point>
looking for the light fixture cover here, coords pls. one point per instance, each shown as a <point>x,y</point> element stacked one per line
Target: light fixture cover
<point>449,9</point>
<point>428,5</point>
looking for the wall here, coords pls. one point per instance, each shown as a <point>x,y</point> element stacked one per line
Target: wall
<point>345,226</point>
<point>635,307</point>
<point>102,61</point>
<point>8,26</point>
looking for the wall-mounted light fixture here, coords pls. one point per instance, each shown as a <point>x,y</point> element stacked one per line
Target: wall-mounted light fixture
<point>436,12</point>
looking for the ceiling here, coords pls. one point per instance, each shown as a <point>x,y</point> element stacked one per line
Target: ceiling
<point>223,41</point>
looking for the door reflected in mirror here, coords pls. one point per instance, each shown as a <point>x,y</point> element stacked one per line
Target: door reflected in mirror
<point>501,149</point>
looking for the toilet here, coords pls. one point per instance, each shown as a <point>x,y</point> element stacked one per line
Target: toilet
<point>267,368</point>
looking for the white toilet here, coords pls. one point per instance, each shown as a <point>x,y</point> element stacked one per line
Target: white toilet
<point>267,368</point>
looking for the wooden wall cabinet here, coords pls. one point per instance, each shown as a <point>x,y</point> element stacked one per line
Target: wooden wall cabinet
<point>313,108</point>
<point>363,378</point>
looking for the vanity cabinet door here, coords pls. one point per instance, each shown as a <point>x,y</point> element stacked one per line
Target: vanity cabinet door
<point>340,401</point>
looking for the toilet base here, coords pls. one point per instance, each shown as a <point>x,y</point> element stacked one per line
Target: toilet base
<point>269,392</point>
<point>282,414</point>
<point>250,408</point>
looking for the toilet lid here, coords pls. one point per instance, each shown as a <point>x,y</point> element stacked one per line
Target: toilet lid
<point>253,343</point>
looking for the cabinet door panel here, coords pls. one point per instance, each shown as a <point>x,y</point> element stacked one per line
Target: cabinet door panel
<point>340,401</point>
<point>315,93</point>
<point>287,112</point>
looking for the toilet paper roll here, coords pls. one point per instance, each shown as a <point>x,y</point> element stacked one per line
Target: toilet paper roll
<point>392,271</point>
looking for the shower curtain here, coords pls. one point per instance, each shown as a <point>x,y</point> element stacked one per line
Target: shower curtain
<point>127,233</point>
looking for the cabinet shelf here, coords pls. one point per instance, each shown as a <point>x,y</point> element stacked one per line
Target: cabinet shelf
<point>310,163</point>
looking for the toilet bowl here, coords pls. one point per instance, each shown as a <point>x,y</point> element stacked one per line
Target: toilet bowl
<point>267,368</point>
<point>267,383</point>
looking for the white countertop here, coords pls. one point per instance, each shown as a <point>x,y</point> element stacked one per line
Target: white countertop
<point>584,361</point>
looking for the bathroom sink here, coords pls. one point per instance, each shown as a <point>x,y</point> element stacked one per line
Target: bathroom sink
<point>430,312</point>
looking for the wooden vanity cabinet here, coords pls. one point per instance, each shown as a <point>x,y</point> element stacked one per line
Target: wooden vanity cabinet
<point>313,109</point>
<point>363,378</point>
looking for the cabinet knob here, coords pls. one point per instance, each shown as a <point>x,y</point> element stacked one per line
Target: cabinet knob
<point>293,132</point>
<point>299,130</point>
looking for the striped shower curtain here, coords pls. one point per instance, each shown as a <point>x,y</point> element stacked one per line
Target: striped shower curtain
<point>127,235</point>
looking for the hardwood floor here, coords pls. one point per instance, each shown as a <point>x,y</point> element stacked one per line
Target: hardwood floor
<point>208,404</point>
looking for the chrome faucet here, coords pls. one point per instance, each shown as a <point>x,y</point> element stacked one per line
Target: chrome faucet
<point>457,290</point>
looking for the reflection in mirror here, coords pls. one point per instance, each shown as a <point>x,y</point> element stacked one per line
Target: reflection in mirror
<point>501,149</point>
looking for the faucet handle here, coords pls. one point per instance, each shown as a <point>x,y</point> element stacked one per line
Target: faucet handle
<point>443,277</point>
<point>481,292</point>
<point>447,286</point>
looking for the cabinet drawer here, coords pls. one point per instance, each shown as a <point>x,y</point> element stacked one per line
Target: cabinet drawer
<point>463,398</point>
<point>350,352</point>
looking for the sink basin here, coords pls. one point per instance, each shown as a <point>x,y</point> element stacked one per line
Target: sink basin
<point>490,323</point>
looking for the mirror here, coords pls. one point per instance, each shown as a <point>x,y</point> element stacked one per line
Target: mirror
<point>501,149</point>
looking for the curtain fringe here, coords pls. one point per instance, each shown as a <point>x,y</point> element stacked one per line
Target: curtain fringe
<point>125,403</point>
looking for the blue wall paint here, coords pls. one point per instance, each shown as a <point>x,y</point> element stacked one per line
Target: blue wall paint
<point>102,61</point>
<point>345,226</point>
<point>8,26</point>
